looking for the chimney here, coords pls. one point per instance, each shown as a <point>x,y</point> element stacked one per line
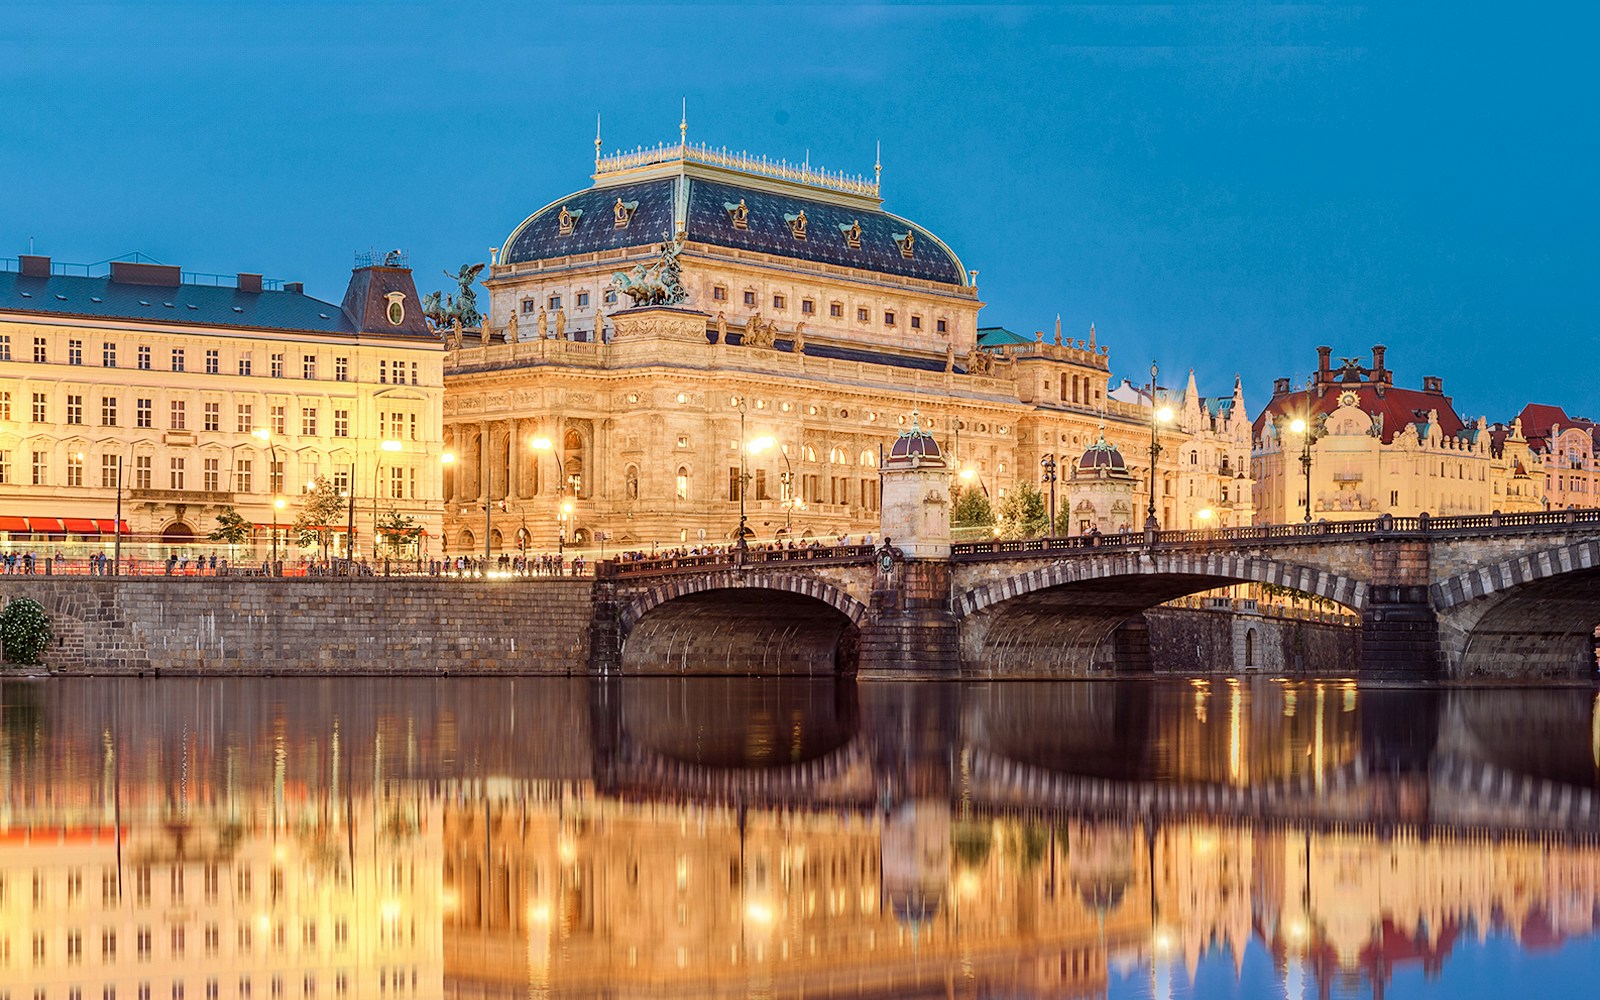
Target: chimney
<point>35,266</point>
<point>295,287</point>
<point>128,273</point>
<point>1323,356</point>
<point>1379,373</point>
<point>249,282</point>
<point>1433,384</point>
<point>1280,387</point>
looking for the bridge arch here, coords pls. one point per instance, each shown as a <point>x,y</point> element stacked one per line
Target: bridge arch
<point>1057,618</point>
<point>731,623</point>
<point>1531,614</point>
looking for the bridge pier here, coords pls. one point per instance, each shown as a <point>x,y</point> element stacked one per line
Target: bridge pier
<point>1399,630</point>
<point>910,632</point>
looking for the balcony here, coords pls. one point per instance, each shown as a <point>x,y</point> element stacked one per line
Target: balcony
<point>180,496</point>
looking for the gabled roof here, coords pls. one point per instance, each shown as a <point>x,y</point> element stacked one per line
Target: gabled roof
<point>1398,408</point>
<point>999,336</point>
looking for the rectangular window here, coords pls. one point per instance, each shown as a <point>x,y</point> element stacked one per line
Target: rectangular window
<point>528,307</point>
<point>142,412</point>
<point>583,300</point>
<point>108,411</point>
<point>916,322</point>
<point>142,476</point>
<point>244,418</point>
<point>862,315</point>
<point>280,420</point>
<point>941,326</point>
<point>108,946</point>
<point>5,466</point>
<point>275,472</point>
<point>74,352</point>
<point>40,468</point>
<point>413,423</point>
<point>5,347</point>
<point>308,421</point>
<point>341,481</point>
<point>5,405</point>
<point>213,475</point>
<point>75,469</point>
<point>244,364</point>
<point>779,302</point>
<point>39,409</point>
<point>176,473</point>
<point>213,416</point>
<point>397,483</point>
<point>413,373</point>
<point>341,423</point>
<point>177,359</point>
<point>888,317</point>
<point>308,366</point>
<point>383,373</point>
<point>808,307</point>
<point>749,298</point>
<point>277,366</point>
<point>555,302</point>
<point>341,369</point>
<point>761,484</point>
<point>177,422</point>
<point>108,481</point>
<point>177,941</point>
<point>144,358</point>
<point>241,472</point>
<point>734,483</point>
<point>74,409</point>
<point>39,353</point>
<point>213,362</point>
<point>719,293</point>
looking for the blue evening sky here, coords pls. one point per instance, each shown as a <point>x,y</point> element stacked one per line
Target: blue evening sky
<point>1222,186</point>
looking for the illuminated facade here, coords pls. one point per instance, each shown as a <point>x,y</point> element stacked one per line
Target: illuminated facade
<point>195,397</point>
<point>799,312</point>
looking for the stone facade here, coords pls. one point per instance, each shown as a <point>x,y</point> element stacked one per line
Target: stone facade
<point>317,626</point>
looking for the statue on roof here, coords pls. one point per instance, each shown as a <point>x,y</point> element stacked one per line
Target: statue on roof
<point>722,327</point>
<point>511,328</point>
<point>561,324</point>
<point>656,284</point>
<point>463,305</point>
<point>544,324</point>
<point>800,337</point>
<point>979,361</point>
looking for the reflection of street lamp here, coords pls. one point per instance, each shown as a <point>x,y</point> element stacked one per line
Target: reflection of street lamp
<point>744,483</point>
<point>1302,428</point>
<point>1158,415</point>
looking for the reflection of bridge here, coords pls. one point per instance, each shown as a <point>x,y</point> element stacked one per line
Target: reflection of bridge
<point>1483,594</point>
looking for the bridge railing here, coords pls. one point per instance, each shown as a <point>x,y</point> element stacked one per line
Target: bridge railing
<point>656,565</point>
<point>1386,524</point>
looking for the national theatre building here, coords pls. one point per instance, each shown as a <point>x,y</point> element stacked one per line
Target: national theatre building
<point>702,333</point>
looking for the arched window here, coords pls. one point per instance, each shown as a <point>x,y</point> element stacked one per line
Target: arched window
<point>808,453</point>
<point>1194,458</point>
<point>683,482</point>
<point>1250,647</point>
<point>630,484</point>
<point>837,456</point>
<point>869,458</point>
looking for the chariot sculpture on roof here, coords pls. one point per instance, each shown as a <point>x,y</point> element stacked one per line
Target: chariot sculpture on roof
<point>655,284</point>
<point>462,306</point>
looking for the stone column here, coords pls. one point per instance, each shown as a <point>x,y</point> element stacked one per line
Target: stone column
<point>513,459</point>
<point>1399,627</point>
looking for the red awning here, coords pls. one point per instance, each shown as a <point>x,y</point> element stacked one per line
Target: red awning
<point>82,525</point>
<point>108,526</point>
<point>13,524</point>
<point>51,525</point>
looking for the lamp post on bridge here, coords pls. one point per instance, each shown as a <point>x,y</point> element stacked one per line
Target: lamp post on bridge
<point>1302,427</point>
<point>1158,415</point>
<point>1049,464</point>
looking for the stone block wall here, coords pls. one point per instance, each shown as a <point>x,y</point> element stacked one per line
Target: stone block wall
<point>226,626</point>
<point>1187,640</point>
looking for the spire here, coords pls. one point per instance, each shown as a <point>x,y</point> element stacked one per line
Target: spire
<point>683,124</point>
<point>877,165</point>
<point>1058,329</point>
<point>597,140</point>
<point>1091,336</point>
<point>1190,390</point>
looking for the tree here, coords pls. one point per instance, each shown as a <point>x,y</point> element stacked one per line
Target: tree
<point>1063,526</point>
<point>971,509</point>
<point>319,511</point>
<point>25,631</point>
<point>396,529</point>
<point>1023,513</point>
<point>232,529</point>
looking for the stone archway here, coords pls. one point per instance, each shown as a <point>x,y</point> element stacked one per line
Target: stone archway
<point>177,533</point>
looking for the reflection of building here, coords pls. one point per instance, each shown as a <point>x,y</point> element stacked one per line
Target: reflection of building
<point>826,318</point>
<point>202,393</point>
<point>1377,449</point>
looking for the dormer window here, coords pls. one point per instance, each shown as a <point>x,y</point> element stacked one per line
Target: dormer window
<point>739,214</point>
<point>905,241</point>
<point>569,220</point>
<point>622,213</point>
<point>852,234</point>
<point>797,224</point>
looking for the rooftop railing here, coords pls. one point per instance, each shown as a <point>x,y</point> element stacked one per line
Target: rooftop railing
<point>694,152</point>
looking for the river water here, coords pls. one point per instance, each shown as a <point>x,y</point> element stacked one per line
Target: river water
<point>465,838</point>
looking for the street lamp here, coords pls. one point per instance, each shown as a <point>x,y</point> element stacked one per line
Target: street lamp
<point>1049,463</point>
<point>377,479</point>
<point>756,447</point>
<point>1300,427</point>
<point>1205,515</point>
<point>744,481</point>
<point>273,486</point>
<point>561,536</point>
<point>1158,415</point>
<point>277,505</point>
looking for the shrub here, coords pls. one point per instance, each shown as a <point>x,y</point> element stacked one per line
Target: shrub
<point>25,631</point>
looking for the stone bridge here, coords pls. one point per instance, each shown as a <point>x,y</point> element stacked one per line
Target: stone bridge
<point>1515,594</point>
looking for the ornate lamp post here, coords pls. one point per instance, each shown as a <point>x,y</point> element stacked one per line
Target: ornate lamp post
<point>741,546</point>
<point>1158,415</point>
<point>1049,463</point>
<point>1302,428</point>
<point>278,504</point>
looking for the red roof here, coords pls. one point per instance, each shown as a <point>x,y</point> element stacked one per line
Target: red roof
<point>1538,418</point>
<point>1398,407</point>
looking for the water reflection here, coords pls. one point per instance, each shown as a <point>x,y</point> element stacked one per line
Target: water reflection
<point>707,838</point>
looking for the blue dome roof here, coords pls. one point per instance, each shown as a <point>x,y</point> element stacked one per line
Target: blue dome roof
<point>838,233</point>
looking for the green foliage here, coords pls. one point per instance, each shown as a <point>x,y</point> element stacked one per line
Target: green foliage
<point>971,509</point>
<point>231,529</point>
<point>1063,526</point>
<point>25,630</point>
<point>1315,601</point>
<point>396,529</point>
<point>320,509</point>
<point>1023,514</point>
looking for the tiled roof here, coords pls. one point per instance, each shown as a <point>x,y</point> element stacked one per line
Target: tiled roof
<point>1397,407</point>
<point>709,220</point>
<point>1538,418</point>
<point>199,305</point>
<point>999,336</point>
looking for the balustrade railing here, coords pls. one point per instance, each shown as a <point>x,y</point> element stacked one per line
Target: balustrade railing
<point>655,565</point>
